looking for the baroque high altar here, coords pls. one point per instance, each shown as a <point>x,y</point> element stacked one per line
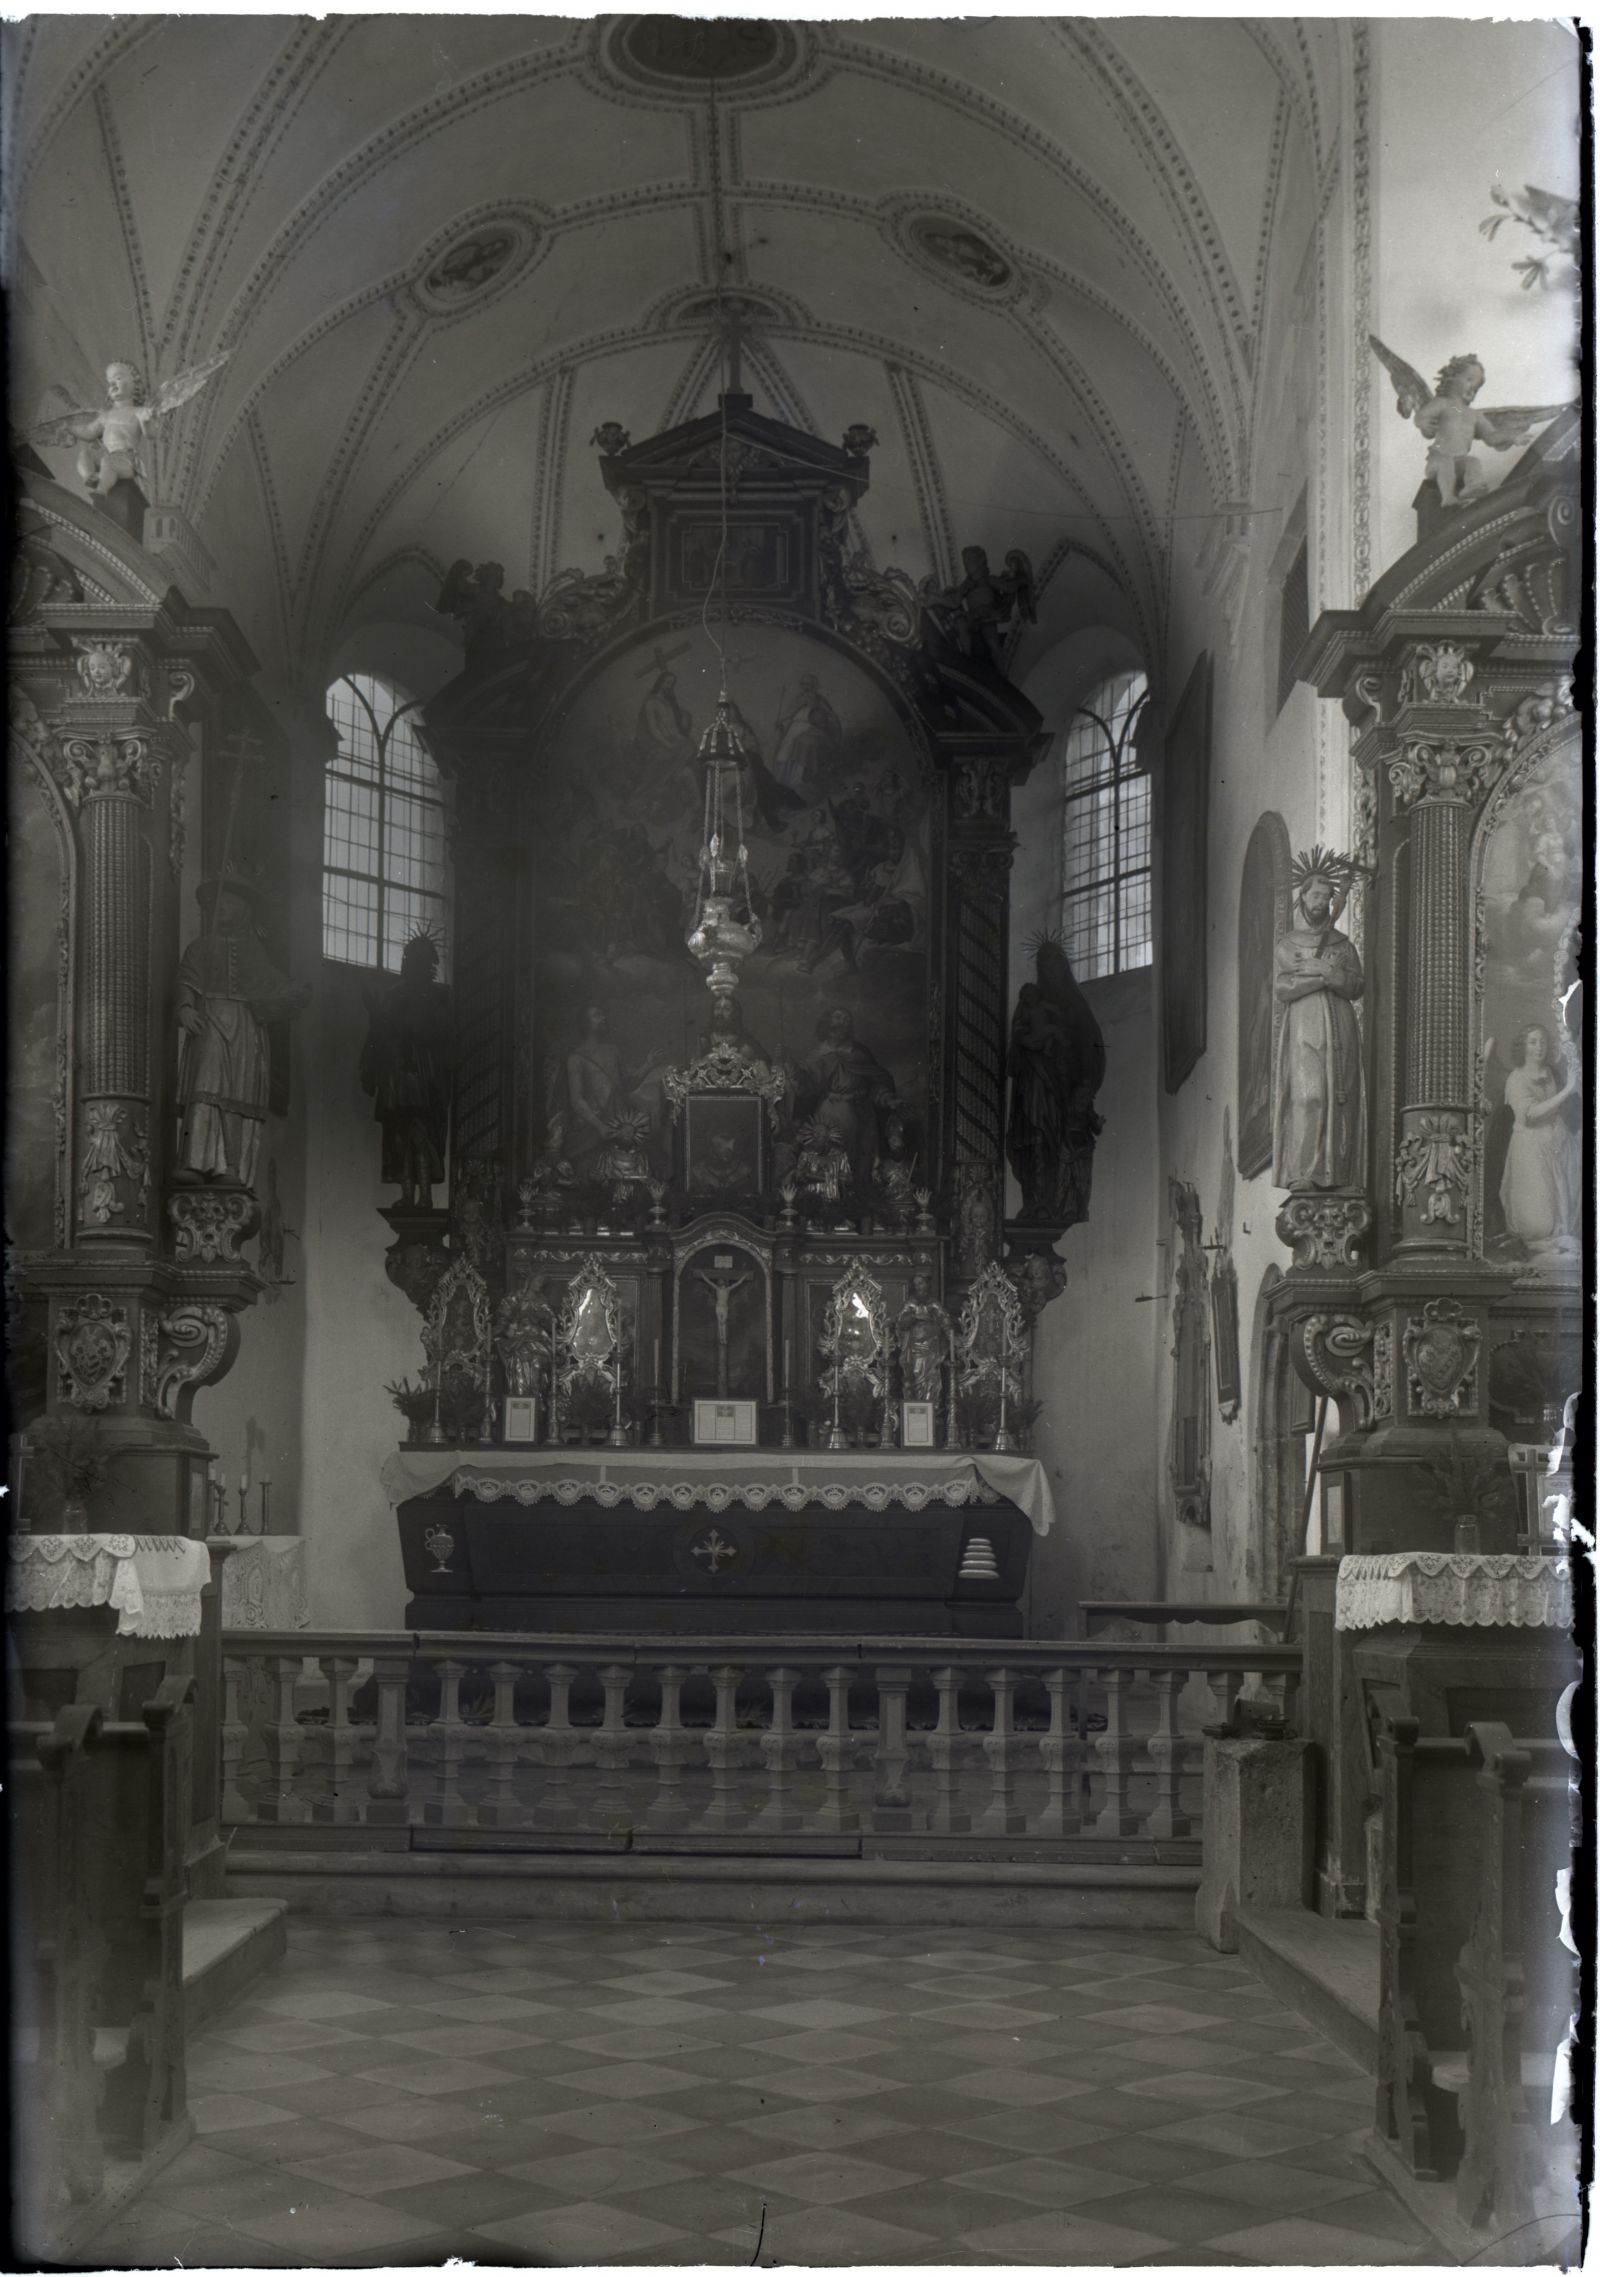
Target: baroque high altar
<point>728,1097</point>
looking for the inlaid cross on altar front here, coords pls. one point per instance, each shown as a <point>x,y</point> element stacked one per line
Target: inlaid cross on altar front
<point>715,1551</point>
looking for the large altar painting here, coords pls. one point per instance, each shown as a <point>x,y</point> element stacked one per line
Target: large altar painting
<point>838,822</point>
<point>1531,1019</point>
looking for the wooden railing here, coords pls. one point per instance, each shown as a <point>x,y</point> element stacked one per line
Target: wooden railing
<point>928,1747</point>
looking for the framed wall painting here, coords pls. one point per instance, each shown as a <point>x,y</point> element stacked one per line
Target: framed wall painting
<point>1185,799</point>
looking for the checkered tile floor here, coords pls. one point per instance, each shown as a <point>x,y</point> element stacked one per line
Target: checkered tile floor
<point>400,2092</point>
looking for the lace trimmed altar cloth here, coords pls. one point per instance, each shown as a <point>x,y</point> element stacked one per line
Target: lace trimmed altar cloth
<point>152,1582</point>
<point>1409,1588</point>
<point>677,1479</point>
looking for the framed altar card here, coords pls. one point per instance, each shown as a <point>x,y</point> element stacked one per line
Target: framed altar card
<point>724,1422</point>
<point>519,1423</point>
<point>916,1423</point>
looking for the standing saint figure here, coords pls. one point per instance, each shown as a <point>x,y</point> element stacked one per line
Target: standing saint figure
<point>1319,1103</point>
<point>228,989</point>
<point>809,739</point>
<point>1056,1060</point>
<point>844,1088</point>
<point>1541,1188</point>
<point>922,1339</point>
<point>405,1069</point>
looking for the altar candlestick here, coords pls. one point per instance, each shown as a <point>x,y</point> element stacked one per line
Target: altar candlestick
<point>658,1367</point>
<point>266,1501</point>
<point>244,1489</point>
<point>1004,1443</point>
<point>952,1429</point>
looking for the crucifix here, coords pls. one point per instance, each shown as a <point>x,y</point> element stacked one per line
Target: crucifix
<point>662,659</point>
<point>722,1286</point>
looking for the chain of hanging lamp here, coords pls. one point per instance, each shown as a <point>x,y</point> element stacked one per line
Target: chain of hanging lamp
<point>726,928</point>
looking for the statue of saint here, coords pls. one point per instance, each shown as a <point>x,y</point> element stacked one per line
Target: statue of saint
<point>725,1031</point>
<point>228,989</point>
<point>1057,1063</point>
<point>922,1339</point>
<point>405,1070</point>
<point>1319,1104</point>
<point>843,1087</point>
<point>590,1090</point>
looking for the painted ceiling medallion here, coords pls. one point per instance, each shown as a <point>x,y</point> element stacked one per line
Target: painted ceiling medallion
<point>677,51</point>
<point>482,254</point>
<point>958,248</point>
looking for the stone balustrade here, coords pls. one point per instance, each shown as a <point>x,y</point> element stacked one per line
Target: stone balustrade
<point>922,1747</point>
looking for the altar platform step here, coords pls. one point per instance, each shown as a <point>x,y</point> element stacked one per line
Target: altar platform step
<point>1326,1970</point>
<point>981,1892</point>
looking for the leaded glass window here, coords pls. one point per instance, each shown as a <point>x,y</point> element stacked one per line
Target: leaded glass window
<point>1106,835</point>
<point>383,834</point>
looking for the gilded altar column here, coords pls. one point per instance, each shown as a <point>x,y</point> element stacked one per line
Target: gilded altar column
<point>979,871</point>
<point>1449,750</point>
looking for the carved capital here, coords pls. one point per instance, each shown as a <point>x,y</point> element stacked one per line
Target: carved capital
<point>93,1338</point>
<point>1325,1231</point>
<point>114,762</point>
<point>978,790</point>
<point>983,873</point>
<point>209,1222</point>
<point>188,1345</point>
<point>1441,1354</point>
<point>1338,1354</point>
<point>1449,772</point>
<point>1433,1167</point>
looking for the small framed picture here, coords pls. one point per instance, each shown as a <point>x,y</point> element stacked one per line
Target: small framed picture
<point>519,1422</point>
<point>916,1423</point>
<point>724,1422</point>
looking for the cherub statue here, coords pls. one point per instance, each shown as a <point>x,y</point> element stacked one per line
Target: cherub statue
<point>976,613</point>
<point>1445,414</point>
<point>476,599</point>
<point>108,440</point>
<point>610,437</point>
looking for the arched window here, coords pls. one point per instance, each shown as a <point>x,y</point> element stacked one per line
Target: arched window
<point>383,845</point>
<point>1105,871</point>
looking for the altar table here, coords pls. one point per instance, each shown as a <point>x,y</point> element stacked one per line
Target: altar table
<point>724,1541</point>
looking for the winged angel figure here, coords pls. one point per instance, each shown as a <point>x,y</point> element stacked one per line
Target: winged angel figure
<point>108,440</point>
<point>1445,414</point>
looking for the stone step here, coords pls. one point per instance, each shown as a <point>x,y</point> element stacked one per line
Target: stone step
<point>1326,1971</point>
<point>227,1943</point>
<point>652,1887</point>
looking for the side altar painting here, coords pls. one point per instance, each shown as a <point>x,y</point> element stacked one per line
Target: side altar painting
<point>1531,1016</point>
<point>831,1016</point>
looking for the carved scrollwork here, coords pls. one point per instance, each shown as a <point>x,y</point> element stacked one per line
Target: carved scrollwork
<point>984,873</point>
<point>209,1222</point>
<point>1433,1167</point>
<point>979,791</point>
<point>1441,1354</point>
<point>1460,773</point>
<point>189,1345</point>
<point>1338,1352</point>
<point>1533,714</point>
<point>93,1341</point>
<point>1325,1231</point>
<point>1382,1372</point>
<point>724,1068</point>
<point>115,1150</point>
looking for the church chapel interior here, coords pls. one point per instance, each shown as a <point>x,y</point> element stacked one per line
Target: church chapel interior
<point>796,1148</point>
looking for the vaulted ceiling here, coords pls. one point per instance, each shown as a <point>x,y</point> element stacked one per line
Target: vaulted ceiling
<point>1035,255</point>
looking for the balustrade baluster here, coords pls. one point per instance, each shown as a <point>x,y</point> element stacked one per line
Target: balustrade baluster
<point>389,1779</point>
<point>1225,1686</point>
<point>944,1744</point>
<point>236,1810</point>
<point>449,1806</point>
<point>834,1815</point>
<point>1061,1752</point>
<point>290,1805</point>
<point>671,1747</point>
<point>1168,1817</point>
<point>780,1748</point>
<point>559,1749</point>
<point>720,1743</point>
<point>1000,1815</point>
<point>1116,1747</point>
<point>608,1751</point>
<point>504,1741</point>
<point>342,1806</point>
<point>891,1790</point>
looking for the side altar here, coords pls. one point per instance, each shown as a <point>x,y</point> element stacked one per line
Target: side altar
<point>722,1309</point>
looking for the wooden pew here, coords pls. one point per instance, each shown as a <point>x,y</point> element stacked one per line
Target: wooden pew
<point>99,1823</point>
<point>1476,1988</point>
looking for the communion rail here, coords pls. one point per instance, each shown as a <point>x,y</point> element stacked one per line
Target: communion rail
<point>914,1747</point>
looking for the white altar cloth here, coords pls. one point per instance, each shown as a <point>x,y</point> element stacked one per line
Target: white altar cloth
<point>151,1581</point>
<point>754,1478</point>
<point>1461,1590</point>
